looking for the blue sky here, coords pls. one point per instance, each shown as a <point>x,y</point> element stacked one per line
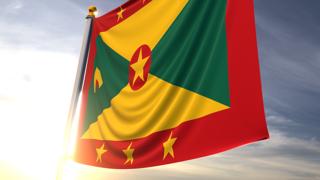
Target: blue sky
<point>39,47</point>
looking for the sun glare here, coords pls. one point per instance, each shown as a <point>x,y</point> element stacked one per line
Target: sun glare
<point>34,101</point>
<point>35,94</point>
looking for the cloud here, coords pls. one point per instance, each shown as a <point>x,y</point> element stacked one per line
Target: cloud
<point>13,7</point>
<point>41,25</point>
<point>289,60</point>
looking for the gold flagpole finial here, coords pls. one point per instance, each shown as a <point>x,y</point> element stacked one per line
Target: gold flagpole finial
<point>92,11</point>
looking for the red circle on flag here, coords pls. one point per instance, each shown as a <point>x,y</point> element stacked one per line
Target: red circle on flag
<point>139,67</point>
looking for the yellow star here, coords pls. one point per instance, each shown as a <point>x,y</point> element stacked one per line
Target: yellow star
<point>138,67</point>
<point>120,13</point>
<point>167,146</point>
<point>129,153</point>
<point>100,151</point>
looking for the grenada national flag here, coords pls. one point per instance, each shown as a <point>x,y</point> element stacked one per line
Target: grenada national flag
<point>168,81</point>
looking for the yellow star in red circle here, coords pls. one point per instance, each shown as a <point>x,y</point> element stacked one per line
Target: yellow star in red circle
<point>138,67</point>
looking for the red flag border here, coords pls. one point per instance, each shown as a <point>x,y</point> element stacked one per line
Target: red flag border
<point>243,123</point>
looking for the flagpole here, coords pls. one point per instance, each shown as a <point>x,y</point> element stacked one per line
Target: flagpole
<point>77,88</point>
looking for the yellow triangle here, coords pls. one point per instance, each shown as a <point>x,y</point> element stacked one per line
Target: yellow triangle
<point>147,26</point>
<point>157,106</point>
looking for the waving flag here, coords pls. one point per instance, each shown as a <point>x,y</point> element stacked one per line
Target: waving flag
<point>170,80</point>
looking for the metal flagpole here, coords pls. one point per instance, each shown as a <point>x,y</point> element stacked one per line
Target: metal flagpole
<point>77,88</point>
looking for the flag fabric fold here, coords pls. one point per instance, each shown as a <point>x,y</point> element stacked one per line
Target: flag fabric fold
<point>170,80</point>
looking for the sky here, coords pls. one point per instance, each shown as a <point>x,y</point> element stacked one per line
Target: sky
<point>39,48</point>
